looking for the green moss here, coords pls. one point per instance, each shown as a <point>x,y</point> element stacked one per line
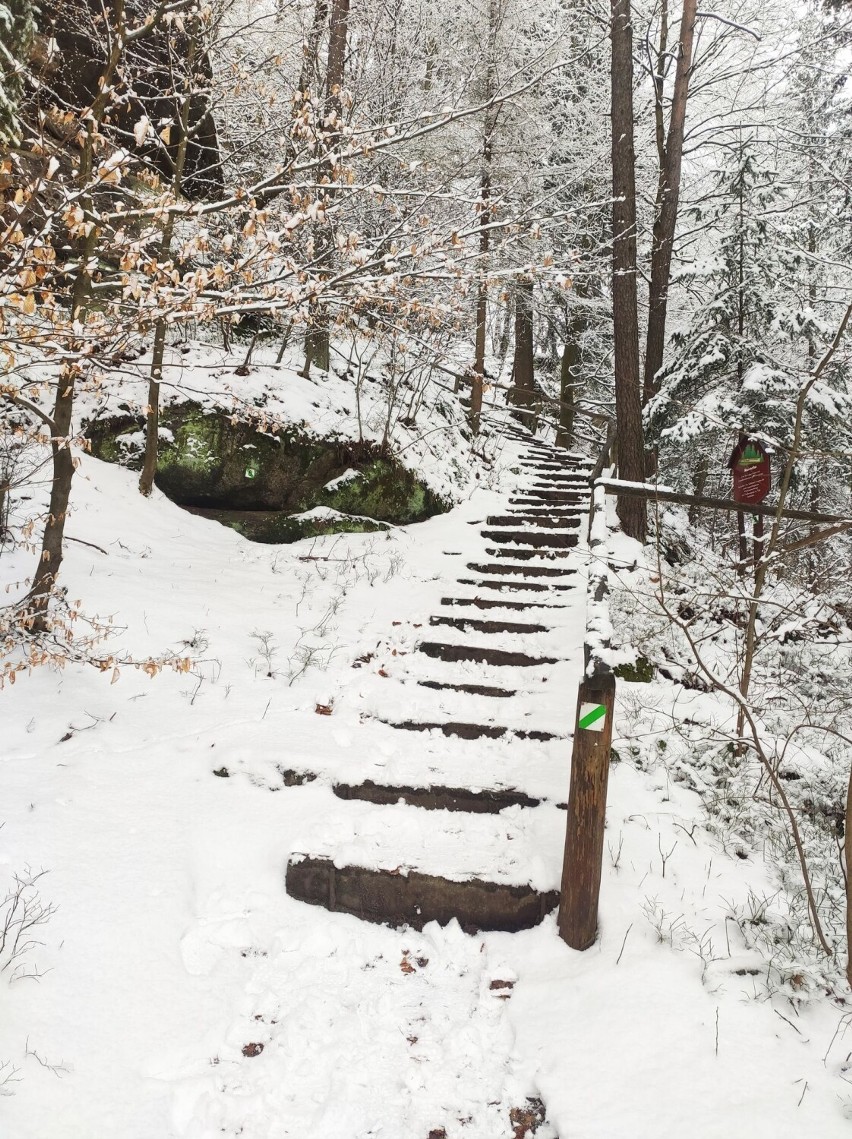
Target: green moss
<point>277,527</point>
<point>641,671</point>
<point>254,481</point>
<point>386,491</point>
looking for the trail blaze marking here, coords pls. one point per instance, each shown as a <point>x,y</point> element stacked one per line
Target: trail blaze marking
<point>251,472</point>
<point>593,717</point>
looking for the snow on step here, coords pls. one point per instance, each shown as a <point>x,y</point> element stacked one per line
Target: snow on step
<point>543,523</point>
<point>402,865</point>
<point>539,606</point>
<point>531,704</point>
<point>504,569</point>
<point>522,846</point>
<point>513,587</point>
<point>489,625</point>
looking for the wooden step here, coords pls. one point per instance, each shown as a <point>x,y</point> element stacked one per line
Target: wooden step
<point>481,654</point>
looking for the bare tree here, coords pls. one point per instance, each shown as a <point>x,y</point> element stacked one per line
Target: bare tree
<point>670,155</point>
<point>628,407</point>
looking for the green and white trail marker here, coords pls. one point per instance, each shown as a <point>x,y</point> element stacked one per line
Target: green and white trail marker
<point>593,717</point>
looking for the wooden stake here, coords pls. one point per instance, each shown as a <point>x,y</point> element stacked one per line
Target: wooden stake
<point>758,539</point>
<point>581,868</point>
<point>741,533</point>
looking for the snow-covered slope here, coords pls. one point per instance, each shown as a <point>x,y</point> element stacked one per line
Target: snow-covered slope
<point>175,952</point>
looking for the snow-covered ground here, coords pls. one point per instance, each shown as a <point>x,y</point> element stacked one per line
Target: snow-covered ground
<point>174,953</point>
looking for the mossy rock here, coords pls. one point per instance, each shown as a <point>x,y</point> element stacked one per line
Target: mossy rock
<point>384,490</point>
<point>255,481</point>
<point>276,527</point>
<point>640,671</point>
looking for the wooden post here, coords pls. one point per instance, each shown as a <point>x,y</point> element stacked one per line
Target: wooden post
<point>581,868</point>
<point>758,540</point>
<point>743,542</point>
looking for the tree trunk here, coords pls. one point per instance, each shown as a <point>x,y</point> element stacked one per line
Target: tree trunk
<point>318,334</point>
<point>632,512</point>
<point>522,394</point>
<point>338,31</point>
<point>52,542</point>
<point>478,376</point>
<point>152,419</point>
<point>309,75</point>
<point>847,850</point>
<point>506,333</point>
<point>668,195</point>
<point>568,371</point>
<point>152,416</point>
<point>38,599</point>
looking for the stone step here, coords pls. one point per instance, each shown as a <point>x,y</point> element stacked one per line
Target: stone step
<point>514,586</point>
<point>527,571</point>
<point>533,537</point>
<point>398,865</point>
<point>551,491</point>
<point>541,522</point>
<point>554,465</point>
<point>549,464</point>
<point>492,603</point>
<point>480,626</point>
<point>566,485</point>
<point>549,498</point>
<point>414,899</point>
<point>470,689</point>
<point>467,731</point>
<point>538,477</point>
<point>436,798</point>
<point>481,654</point>
<point>576,508</point>
<point>548,554</point>
<point>553,454</point>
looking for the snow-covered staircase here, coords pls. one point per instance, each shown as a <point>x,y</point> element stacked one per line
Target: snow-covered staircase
<point>469,820</point>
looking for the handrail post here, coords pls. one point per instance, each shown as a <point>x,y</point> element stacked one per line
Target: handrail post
<point>581,868</point>
<point>584,835</point>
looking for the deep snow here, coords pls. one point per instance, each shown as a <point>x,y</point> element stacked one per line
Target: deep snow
<point>175,946</point>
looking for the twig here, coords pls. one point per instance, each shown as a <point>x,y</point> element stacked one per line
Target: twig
<point>618,959</point>
<point>81,542</point>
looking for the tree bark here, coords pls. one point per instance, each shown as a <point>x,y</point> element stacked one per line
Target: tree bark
<point>318,335</point>
<point>52,543</point>
<point>522,394</point>
<point>309,74</point>
<point>478,374</point>
<point>568,372</point>
<point>338,32</point>
<point>668,196</point>
<point>632,512</point>
<point>152,419</point>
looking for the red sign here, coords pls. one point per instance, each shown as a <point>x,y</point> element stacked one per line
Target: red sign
<point>750,465</point>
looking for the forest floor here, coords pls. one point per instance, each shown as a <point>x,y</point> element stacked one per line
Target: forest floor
<point>174,951</point>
